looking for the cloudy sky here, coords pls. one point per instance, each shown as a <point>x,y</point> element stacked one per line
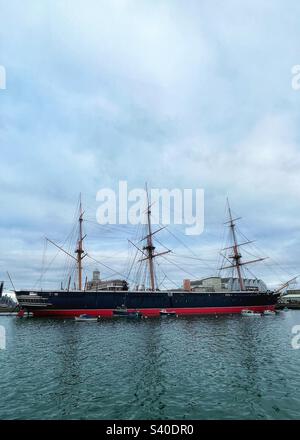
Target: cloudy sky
<point>181,94</point>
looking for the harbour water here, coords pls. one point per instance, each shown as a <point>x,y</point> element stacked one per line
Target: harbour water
<point>226,367</point>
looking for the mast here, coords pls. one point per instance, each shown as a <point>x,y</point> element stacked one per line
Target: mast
<point>79,251</point>
<point>150,248</point>
<point>236,254</point>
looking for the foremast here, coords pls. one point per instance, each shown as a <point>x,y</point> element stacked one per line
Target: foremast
<point>79,251</point>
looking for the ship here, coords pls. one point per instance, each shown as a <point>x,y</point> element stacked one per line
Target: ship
<point>103,298</point>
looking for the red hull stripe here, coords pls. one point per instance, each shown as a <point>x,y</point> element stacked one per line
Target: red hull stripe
<point>149,312</point>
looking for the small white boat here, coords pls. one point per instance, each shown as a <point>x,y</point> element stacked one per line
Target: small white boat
<point>169,313</point>
<point>8,314</point>
<point>87,318</point>
<point>122,312</point>
<point>25,314</point>
<point>269,313</point>
<point>251,313</point>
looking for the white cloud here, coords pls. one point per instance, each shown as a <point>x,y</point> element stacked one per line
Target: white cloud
<point>194,95</point>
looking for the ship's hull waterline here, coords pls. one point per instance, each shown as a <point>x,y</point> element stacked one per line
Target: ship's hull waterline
<point>62,304</point>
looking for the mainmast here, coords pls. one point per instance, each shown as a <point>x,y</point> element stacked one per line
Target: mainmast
<point>150,248</point>
<point>236,255</point>
<point>79,251</point>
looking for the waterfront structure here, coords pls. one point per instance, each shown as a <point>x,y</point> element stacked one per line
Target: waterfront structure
<point>215,284</point>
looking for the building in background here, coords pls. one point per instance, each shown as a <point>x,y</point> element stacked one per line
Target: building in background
<point>218,284</point>
<point>291,300</point>
<point>97,284</point>
<point>7,304</point>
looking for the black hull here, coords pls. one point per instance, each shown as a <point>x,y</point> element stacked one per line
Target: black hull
<point>103,303</point>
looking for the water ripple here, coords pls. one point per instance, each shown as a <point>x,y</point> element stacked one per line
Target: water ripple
<point>188,368</point>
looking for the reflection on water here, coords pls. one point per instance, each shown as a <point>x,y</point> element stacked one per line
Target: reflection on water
<point>186,368</point>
